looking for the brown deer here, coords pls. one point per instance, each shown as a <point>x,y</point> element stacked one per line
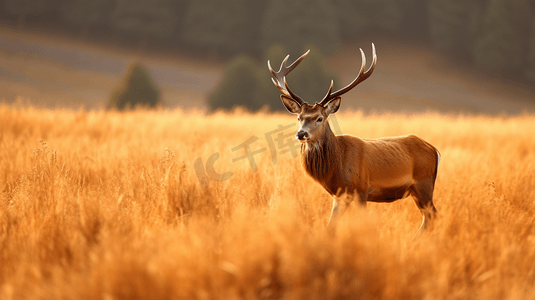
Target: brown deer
<point>348,167</point>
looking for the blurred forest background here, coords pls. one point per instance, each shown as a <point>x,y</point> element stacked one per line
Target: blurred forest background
<point>494,38</point>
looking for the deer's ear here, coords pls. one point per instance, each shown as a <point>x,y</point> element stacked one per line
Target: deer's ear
<point>333,105</point>
<point>290,104</point>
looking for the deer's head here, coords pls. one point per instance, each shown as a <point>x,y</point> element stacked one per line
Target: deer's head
<point>313,118</point>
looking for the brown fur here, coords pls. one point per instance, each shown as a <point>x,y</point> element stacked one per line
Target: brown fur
<point>375,170</point>
<point>380,170</point>
<point>318,160</point>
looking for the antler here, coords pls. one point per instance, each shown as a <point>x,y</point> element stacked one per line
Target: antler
<point>360,78</point>
<point>279,78</point>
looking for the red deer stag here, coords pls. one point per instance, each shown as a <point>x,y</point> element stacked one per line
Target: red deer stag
<point>376,170</point>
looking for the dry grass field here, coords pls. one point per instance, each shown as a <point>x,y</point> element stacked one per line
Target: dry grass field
<point>109,206</point>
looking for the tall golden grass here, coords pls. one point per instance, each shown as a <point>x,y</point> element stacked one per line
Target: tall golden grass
<point>109,206</point>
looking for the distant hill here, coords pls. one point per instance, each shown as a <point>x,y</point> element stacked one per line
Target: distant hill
<point>54,71</point>
<point>416,78</point>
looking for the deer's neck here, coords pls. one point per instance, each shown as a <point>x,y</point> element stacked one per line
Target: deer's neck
<point>319,159</point>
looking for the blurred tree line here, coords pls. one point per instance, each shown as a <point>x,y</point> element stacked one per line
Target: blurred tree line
<point>221,28</point>
<point>496,35</point>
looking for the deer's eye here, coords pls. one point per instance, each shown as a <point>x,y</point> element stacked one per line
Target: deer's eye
<point>320,119</point>
<point>298,119</point>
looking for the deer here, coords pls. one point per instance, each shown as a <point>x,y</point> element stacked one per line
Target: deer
<point>351,168</point>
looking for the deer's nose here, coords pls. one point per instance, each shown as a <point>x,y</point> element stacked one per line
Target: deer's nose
<point>302,135</point>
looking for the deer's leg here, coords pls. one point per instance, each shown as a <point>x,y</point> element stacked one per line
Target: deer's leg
<point>339,208</point>
<point>423,195</point>
<point>340,205</point>
<point>363,199</point>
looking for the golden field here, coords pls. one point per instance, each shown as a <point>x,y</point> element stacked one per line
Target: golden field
<point>109,206</point>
